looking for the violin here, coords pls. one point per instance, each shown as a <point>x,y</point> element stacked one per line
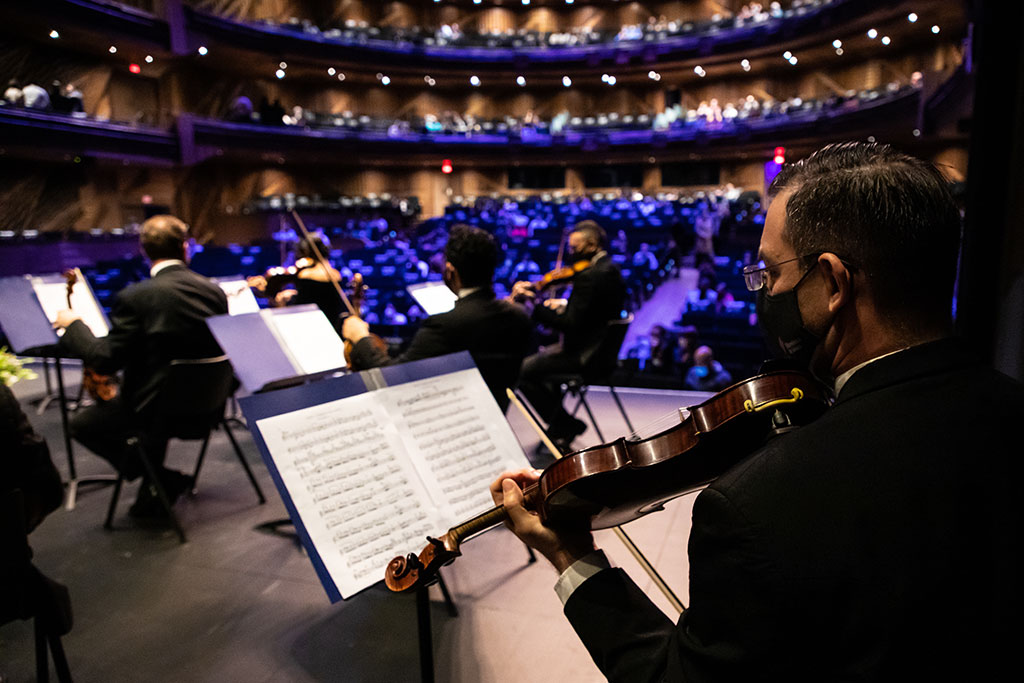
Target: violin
<point>354,302</point>
<point>100,387</point>
<point>561,275</point>
<point>277,278</point>
<point>614,483</point>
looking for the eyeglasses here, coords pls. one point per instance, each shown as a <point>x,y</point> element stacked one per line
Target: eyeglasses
<point>756,275</point>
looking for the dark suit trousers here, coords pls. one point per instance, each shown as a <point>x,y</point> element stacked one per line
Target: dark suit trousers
<point>105,427</point>
<point>544,394</point>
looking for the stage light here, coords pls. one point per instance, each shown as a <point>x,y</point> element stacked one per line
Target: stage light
<point>787,55</point>
<point>331,71</point>
<point>839,51</point>
<point>279,73</point>
<point>54,34</point>
<point>745,64</point>
<point>202,50</point>
<point>520,81</point>
<point>872,34</point>
<point>149,59</point>
<point>917,132</point>
<point>385,80</point>
<point>341,76</point>
<point>912,18</point>
<point>935,29</point>
<point>446,166</point>
<point>474,81</point>
<point>792,60</point>
<point>429,81</point>
<point>837,43</point>
<point>699,70</point>
<point>283,65</point>
<point>112,50</point>
<point>566,81</point>
<point>654,75</point>
<point>612,80</point>
<point>135,68</point>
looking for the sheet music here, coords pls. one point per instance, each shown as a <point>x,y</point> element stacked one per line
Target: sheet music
<point>374,474</point>
<point>359,499</point>
<point>240,296</point>
<point>457,438</point>
<point>53,298</point>
<point>308,338</point>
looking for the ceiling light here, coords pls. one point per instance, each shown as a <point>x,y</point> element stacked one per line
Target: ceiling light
<point>520,81</point>
<point>283,65</point>
<point>872,34</point>
<point>385,80</point>
<point>912,17</point>
<point>787,55</point>
<point>792,60</point>
<point>341,76</point>
<point>149,59</point>
<point>202,50</point>
<point>279,73</point>
<point>935,29</point>
<point>474,81</point>
<point>566,81</point>
<point>112,49</point>
<point>886,40</point>
<point>331,71</point>
<point>54,34</point>
<point>837,43</point>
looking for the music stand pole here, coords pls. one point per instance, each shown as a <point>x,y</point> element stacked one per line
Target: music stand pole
<point>426,635</point>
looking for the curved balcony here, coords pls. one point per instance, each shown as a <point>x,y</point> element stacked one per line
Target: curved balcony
<point>684,40</point>
<point>363,137</point>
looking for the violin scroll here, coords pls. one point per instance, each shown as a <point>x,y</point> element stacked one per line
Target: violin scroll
<point>410,572</point>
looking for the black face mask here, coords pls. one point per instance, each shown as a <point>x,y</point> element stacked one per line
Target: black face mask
<point>783,327</point>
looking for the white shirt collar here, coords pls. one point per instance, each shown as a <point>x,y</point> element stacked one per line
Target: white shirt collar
<point>842,379</point>
<point>160,265</point>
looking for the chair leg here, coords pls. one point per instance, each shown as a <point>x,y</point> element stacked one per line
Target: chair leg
<point>622,409</point>
<point>42,657</point>
<point>199,465</point>
<point>157,487</point>
<point>60,662</point>
<point>109,523</point>
<point>590,414</point>
<point>245,465</point>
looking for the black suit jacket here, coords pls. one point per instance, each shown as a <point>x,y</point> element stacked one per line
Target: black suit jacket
<point>598,294</point>
<point>881,542</point>
<point>152,323</point>
<point>496,333</point>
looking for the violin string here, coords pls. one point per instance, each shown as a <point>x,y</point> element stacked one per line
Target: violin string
<point>656,426</point>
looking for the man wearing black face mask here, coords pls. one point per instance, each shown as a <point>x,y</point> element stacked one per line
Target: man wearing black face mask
<point>498,334</point>
<point>598,294</point>
<point>831,553</point>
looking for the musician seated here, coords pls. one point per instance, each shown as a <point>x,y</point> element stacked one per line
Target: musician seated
<point>153,322</point>
<point>597,297</point>
<point>311,280</point>
<point>485,326</point>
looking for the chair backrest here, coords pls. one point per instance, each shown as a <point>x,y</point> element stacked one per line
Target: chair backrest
<point>191,398</point>
<point>605,359</point>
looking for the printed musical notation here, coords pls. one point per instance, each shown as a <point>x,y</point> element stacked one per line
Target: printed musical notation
<point>372,475</point>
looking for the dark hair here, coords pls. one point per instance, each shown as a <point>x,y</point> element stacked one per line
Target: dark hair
<point>593,232</point>
<point>310,247</point>
<point>888,214</point>
<point>474,255</point>
<point>163,237</point>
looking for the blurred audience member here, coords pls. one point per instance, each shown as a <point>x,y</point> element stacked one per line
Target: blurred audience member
<point>35,97</point>
<point>13,95</point>
<point>707,374</point>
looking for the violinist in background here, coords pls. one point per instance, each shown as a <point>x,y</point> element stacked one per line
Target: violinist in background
<point>881,542</point>
<point>151,323</point>
<point>308,281</point>
<point>496,332</point>
<point>597,297</point>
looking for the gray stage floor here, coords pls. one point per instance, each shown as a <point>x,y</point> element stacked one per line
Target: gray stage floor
<point>237,603</point>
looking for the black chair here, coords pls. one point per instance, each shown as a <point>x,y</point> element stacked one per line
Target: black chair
<point>189,406</point>
<point>500,371</point>
<point>25,593</point>
<point>599,369</point>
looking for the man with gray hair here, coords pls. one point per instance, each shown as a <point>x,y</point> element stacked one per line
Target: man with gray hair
<point>152,323</point>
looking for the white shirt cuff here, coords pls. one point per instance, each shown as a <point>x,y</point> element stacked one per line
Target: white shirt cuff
<point>578,572</point>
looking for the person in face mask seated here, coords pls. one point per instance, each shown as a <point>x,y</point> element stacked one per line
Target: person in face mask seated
<point>598,295</point>
<point>830,553</point>
<point>707,374</point>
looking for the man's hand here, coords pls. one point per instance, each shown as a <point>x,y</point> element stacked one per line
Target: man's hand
<point>353,329</point>
<point>561,546</point>
<point>522,291</point>
<point>556,305</point>
<point>65,318</point>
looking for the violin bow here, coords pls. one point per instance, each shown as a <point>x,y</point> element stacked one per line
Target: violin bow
<point>322,260</point>
<point>626,540</point>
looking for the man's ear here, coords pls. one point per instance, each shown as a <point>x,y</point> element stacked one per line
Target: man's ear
<point>838,281</point>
